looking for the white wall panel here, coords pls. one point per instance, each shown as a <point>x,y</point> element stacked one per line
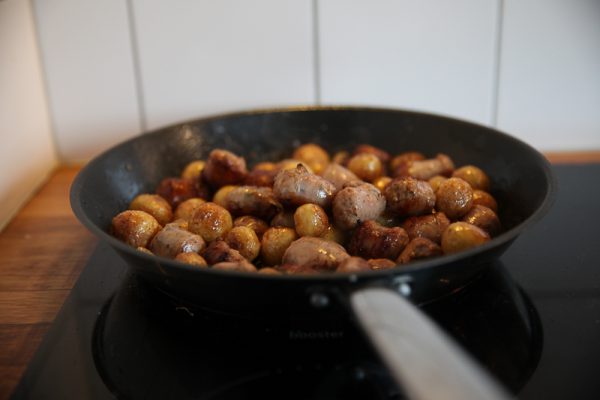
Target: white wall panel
<point>26,149</point>
<point>199,57</point>
<point>87,55</point>
<point>430,55</point>
<point>550,73</point>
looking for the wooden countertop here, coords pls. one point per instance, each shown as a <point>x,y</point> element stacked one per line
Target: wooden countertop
<point>42,252</point>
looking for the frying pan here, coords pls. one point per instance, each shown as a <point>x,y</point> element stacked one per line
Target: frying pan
<point>424,361</point>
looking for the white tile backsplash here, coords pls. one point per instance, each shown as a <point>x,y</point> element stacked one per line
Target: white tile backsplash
<point>199,56</point>
<point>430,55</point>
<point>116,67</point>
<point>87,56</point>
<point>550,73</point>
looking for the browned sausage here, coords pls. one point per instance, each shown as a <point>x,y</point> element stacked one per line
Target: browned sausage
<point>252,200</point>
<point>134,227</point>
<point>358,201</point>
<point>219,251</point>
<point>172,240</point>
<point>260,177</point>
<point>372,240</point>
<point>454,198</point>
<point>378,264</point>
<point>224,168</point>
<point>298,186</point>
<point>314,252</point>
<point>409,196</point>
<point>419,248</point>
<point>353,265</point>
<point>426,169</point>
<point>237,266</point>
<point>294,269</point>
<point>177,190</point>
<point>428,226</point>
<point>404,158</point>
<point>338,175</point>
<point>484,218</point>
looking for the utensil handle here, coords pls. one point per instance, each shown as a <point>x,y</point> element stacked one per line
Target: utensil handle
<point>421,357</point>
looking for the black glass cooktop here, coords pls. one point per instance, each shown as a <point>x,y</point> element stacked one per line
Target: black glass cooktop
<point>533,321</point>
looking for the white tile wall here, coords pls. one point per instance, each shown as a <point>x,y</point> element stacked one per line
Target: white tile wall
<point>431,55</point>
<point>116,67</point>
<point>26,149</point>
<point>201,56</point>
<point>550,73</point>
<point>88,61</point>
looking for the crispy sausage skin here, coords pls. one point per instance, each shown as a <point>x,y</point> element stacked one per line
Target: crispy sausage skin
<point>315,253</point>
<point>172,240</point>
<point>224,168</point>
<point>358,201</point>
<point>219,251</point>
<point>426,169</point>
<point>372,240</point>
<point>428,226</point>
<point>297,186</point>
<point>409,196</point>
<point>353,265</point>
<point>177,190</point>
<point>419,248</point>
<point>252,200</point>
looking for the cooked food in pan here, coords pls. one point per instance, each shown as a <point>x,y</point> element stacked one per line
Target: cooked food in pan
<point>313,213</point>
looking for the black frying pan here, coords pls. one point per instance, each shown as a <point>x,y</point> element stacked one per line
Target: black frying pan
<point>521,182</point>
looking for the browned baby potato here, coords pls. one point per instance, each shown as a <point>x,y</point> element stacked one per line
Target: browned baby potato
<point>284,219</point>
<point>220,195</point>
<point>338,175</point>
<point>314,155</point>
<point>454,198</point>
<point>219,251</point>
<point>474,176</point>
<point>236,266</point>
<point>256,224</point>
<point>341,157</point>
<point>176,190</point>
<point>353,265</point>
<point>266,166</point>
<point>192,259</point>
<point>409,196</point>
<point>274,243</point>
<point>193,170</point>
<point>134,227</point>
<point>335,235</point>
<point>252,200</point>
<point>269,271</point>
<point>317,253</point>
<point>371,240</point>
<point>186,209</point>
<point>461,236</point>
<point>428,226</point>
<point>405,158</point>
<point>436,181</point>
<point>419,248</point>
<point>383,155</point>
<point>145,250</point>
<point>224,168</point>
<point>310,220</point>
<point>291,163</point>
<point>366,166</point>
<point>154,205</point>
<point>358,201</point>
<point>485,199</point>
<point>427,169</point>
<point>378,264</point>
<point>483,218</point>
<point>381,182</point>
<point>210,221</point>
<point>244,240</point>
<point>172,240</point>
<point>298,186</point>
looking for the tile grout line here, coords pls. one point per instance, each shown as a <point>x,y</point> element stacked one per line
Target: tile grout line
<point>137,70</point>
<point>316,52</point>
<point>495,103</point>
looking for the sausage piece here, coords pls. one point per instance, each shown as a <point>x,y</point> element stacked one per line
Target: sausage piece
<point>409,196</point>
<point>314,252</point>
<point>372,240</point>
<point>252,200</point>
<point>298,186</point>
<point>172,240</point>
<point>219,251</point>
<point>177,190</point>
<point>353,265</point>
<point>426,169</point>
<point>428,226</point>
<point>338,175</point>
<point>358,201</point>
<point>224,168</point>
<point>419,248</point>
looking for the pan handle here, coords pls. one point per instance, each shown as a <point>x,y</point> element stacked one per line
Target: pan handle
<point>422,358</point>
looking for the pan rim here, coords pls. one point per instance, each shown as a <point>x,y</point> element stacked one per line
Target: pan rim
<point>551,186</point>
